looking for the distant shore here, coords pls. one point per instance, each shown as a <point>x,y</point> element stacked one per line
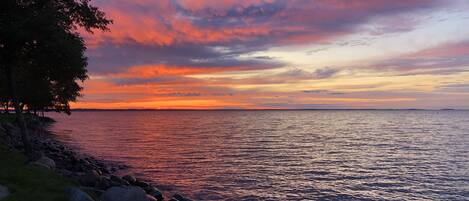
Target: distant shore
<point>325,109</point>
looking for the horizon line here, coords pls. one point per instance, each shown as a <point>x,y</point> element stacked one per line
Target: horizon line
<point>256,109</point>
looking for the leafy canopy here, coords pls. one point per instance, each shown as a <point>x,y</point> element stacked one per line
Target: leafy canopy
<point>40,42</point>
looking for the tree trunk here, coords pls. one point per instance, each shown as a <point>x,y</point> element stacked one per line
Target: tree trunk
<point>7,103</point>
<point>21,105</point>
<point>19,115</point>
<point>7,107</point>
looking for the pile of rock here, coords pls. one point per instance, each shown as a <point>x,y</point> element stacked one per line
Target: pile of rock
<point>4,192</point>
<point>108,185</point>
<point>96,176</point>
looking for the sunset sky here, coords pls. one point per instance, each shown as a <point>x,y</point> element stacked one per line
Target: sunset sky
<point>212,54</point>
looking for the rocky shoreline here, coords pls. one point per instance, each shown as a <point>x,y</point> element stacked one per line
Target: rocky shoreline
<point>97,178</point>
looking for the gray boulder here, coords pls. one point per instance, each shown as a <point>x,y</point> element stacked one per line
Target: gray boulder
<point>4,192</point>
<point>129,178</point>
<point>124,193</point>
<point>104,183</point>
<point>141,183</point>
<point>118,181</point>
<point>77,194</point>
<point>155,192</point>
<point>92,191</point>
<point>179,197</point>
<point>44,162</point>
<point>151,198</point>
<point>91,178</point>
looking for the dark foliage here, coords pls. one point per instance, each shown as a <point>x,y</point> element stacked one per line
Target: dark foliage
<point>40,43</point>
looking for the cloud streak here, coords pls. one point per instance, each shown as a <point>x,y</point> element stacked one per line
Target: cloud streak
<point>449,58</point>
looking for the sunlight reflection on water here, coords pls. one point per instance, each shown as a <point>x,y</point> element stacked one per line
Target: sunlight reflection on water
<point>284,155</point>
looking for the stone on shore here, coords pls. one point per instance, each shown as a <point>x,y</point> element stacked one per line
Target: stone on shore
<point>44,162</point>
<point>124,193</point>
<point>155,192</point>
<point>117,181</point>
<point>91,178</point>
<point>77,194</point>
<point>179,197</point>
<point>4,192</point>
<point>104,183</point>
<point>141,183</point>
<point>129,178</point>
<point>92,190</point>
<point>151,198</point>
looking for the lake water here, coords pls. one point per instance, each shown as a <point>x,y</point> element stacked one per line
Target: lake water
<point>284,155</point>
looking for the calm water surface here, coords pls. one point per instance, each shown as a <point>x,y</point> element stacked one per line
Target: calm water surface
<point>284,155</point>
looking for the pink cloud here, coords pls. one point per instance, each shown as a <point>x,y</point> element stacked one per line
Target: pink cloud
<point>260,22</point>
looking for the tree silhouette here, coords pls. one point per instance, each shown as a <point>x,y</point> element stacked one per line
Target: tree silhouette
<point>42,54</point>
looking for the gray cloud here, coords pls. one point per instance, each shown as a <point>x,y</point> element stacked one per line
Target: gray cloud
<point>446,59</point>
<point>161,80</point>
<point>457,88</point>
<point>323,91</point>
<point>109,58</point>
<point>193,94</point>
<point>297,73</point>
<point>323,73</point>
<point>424,62</point>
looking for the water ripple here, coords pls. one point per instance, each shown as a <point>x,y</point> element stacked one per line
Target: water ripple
<point>284,155</point>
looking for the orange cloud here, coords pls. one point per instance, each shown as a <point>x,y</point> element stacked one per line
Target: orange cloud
<point>147,29</point>
<point>151,71</point>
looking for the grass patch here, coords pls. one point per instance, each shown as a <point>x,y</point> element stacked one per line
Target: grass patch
<point>10,118</point>
<point>28,183</point>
